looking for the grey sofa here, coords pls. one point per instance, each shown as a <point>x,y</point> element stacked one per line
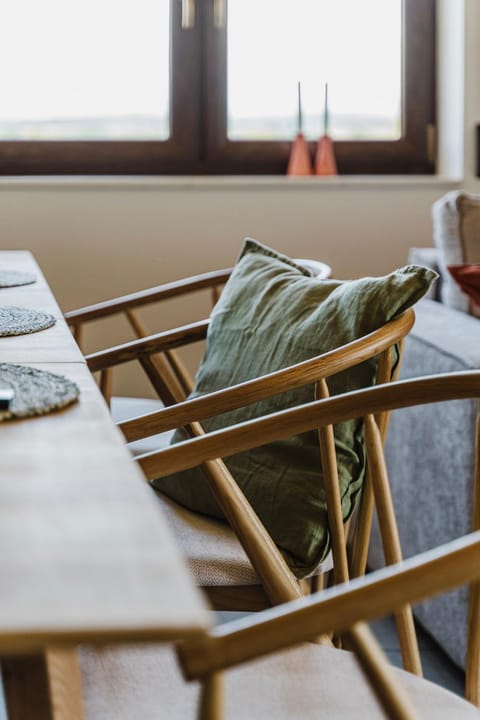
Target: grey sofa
<point>430,449</point>
<point>430,456</point>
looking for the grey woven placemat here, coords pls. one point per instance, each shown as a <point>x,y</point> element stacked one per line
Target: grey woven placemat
<point>37,392</point>
<point>12,278</point>
<point>21,321</point>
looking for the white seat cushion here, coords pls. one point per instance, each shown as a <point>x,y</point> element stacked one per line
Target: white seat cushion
<point>308,682</point>
<point>211,548</point>
<point>125,408</point>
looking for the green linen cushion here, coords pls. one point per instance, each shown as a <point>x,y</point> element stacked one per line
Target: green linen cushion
<point>271,314</point>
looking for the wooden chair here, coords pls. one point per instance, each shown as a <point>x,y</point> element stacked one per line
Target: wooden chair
<point>238,565</point>
<point>309,680</point>
<point>257,576</point>
<point>166,371</point>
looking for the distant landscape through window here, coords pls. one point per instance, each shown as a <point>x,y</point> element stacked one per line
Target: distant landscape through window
<point>90,70</point>
<point>205,87</point>
<point>272,45</point>
<point>100,69</point>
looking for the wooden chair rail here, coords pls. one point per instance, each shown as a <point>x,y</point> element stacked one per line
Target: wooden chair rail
<point>335,609</point>
<point>277,579</point>
<point>332,492</point>
<point>318,413</point>
<point>390,539</point>
<point>309,371</point>
<point>145,297</point>
<point>358,550</point>
<point>144,347</point>
<point>170,362</point>
<point>392,696</point>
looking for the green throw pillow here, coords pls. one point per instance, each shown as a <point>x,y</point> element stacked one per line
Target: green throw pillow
<point>273,313</point>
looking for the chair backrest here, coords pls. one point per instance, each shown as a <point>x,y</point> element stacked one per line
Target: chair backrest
<point>340,607</point>
<point>167,373</point>
<point>277,579</point>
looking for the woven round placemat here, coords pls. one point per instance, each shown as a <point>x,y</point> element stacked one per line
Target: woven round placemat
<point>12,278</point>
<point>37,392</point>
<point>21,321</point>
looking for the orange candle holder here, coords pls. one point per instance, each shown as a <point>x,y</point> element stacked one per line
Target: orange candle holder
<point>299,162</point>
<point>325,161</point>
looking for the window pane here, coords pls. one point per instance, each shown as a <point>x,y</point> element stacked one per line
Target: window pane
<point>89,70</point>
<point>354,46</point>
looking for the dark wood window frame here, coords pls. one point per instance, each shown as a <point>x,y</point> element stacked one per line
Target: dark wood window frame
<point>199,143</point>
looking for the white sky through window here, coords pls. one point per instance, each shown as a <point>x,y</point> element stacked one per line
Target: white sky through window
<point>100,68</point>
<point>64,60</point>
<point>354,46</point>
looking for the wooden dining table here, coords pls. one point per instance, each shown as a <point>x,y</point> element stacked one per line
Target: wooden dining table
<point>86,555</point>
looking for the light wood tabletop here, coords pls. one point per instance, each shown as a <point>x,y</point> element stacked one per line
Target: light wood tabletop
<point>51,345</point>
<point>22,261</point>
<point>84,544</point>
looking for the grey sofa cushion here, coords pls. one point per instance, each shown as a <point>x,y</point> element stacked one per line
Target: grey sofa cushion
<point>430,456</point>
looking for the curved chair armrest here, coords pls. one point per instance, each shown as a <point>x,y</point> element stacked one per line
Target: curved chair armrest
<point>303,373</point>
<point>318,413</point>
<point>144,297</point>
<point>337,608</point>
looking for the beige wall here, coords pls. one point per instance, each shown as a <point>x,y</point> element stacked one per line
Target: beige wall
<point>97,239</point>
<point>98,242</point>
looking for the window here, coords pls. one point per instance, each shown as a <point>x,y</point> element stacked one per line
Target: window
<point>194,86</point>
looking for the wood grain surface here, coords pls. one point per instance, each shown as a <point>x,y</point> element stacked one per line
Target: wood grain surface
<point>86,553</point>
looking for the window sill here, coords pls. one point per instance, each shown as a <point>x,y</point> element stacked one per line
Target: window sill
<point>225,182</point>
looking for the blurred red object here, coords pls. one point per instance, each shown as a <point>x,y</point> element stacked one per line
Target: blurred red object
<point>325,162</point>
<point>468,278</point>
<point>299,162</point>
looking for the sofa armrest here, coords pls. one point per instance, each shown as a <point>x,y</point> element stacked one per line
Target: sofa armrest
<point>452,334</point>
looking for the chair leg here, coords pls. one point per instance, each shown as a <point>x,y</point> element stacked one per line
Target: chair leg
<point>44,687</point>
<point>78,334</point>
<point>318,582</point>
<point>390,540</point>
<point>165,371</point>
<point>359,553</point>
<point>332,490</point>
<point>361,541</point>
<point>376,667</point>
<point>106,385</point>
<point>211,698</point>
<point>472,674</point>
